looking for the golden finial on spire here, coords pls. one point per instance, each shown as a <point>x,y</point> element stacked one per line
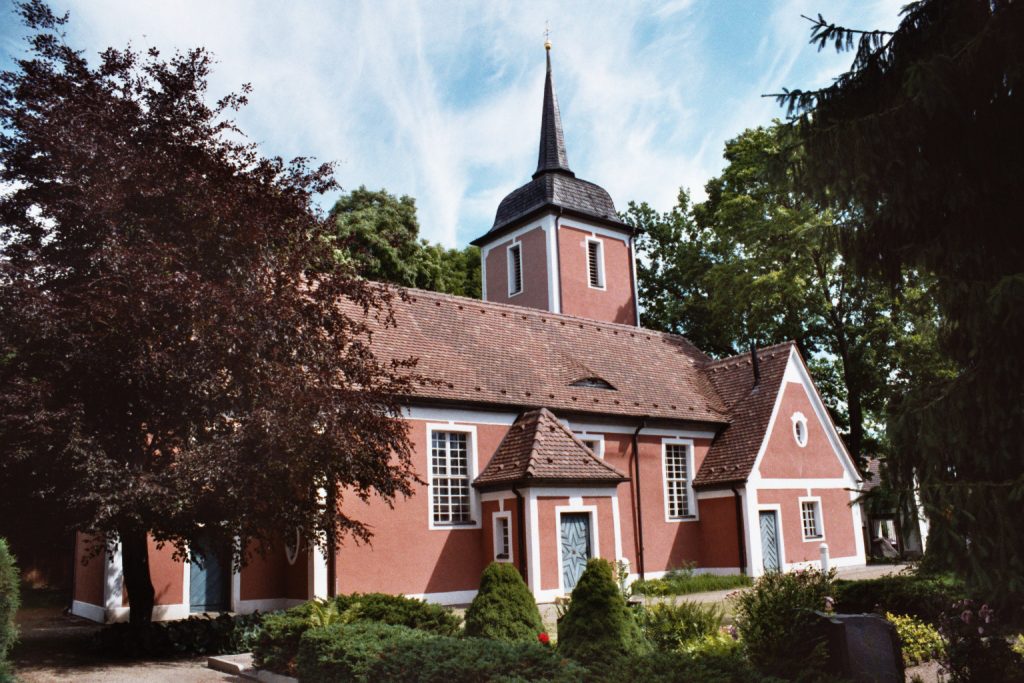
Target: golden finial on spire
<point>547,36</point>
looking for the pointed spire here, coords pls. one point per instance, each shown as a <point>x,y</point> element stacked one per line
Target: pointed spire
<point>552,156</point>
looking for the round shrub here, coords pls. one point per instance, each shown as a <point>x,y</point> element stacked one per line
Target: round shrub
<point>504,608</point>
<point>9,601</point>
<point>346,652</point>
<point>777,622</point>
<point>472,660</point>
<point>599,628</point>
<point>398,610</point>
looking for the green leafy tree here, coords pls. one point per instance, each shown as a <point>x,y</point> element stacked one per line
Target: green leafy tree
<point>504,608</point>
<point>167,363</point>
<point>923,134</point>
<point>759,262</point>
<point>9,601</point>
<point>376,234</point>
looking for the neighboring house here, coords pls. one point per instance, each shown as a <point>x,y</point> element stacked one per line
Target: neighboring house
<point>559,431</point>
<point>895,524</point>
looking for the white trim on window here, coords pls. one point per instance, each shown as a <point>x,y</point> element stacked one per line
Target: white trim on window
<point>799,429</point>
<point>471,474</point>
<point>594,441</point>
<point>690,514</point>
<point>502,541</point>
<point>595,263</point>
<point>819,521</point>
<point>514,263</point>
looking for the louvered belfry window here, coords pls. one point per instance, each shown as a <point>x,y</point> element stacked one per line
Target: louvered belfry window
<point>449,463</point>
<point>595,264</point>
<point>515,269</point>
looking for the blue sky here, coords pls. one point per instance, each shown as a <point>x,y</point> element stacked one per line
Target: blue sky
<point>441,100</point>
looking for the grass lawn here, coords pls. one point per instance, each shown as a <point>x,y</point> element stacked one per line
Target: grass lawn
<point>684,582</point>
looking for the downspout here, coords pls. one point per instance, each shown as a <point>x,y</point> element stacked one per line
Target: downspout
<point>521,536</point>
<point>632,277</point>
<point>558,260</point>
<point>639,507</point>
<point>739,530</point>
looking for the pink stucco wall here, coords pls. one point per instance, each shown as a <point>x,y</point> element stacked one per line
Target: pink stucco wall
<point>784,458</point>
<point>535,271</point>
<point>615,303</point>
<point>837,519</point>
<point>89,571</point>
<point>550,534</point>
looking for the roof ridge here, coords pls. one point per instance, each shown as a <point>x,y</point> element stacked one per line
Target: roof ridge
<point>746,354</point>
<point>539,313</point>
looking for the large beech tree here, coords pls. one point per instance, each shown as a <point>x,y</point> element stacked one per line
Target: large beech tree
<point>167,363</point>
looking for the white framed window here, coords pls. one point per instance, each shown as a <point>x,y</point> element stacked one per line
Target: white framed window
<point>594,442</point>
<point>502,536</point>
<point>677,471</point>
<point>515,269</point>
<point>799,429</point>
<point>451,469</point>
<point>810,519</point>
<point>595,263</point>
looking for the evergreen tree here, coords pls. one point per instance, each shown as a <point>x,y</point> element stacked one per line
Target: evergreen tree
<point>504,608</point>
<point>923,134</point>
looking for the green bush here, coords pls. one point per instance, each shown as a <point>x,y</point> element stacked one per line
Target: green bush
<point>684,581</point>
<point>8,607</point>
<point>669,626</point>
<point>920,642</point>
<point>599,627</point>
<point>345,652</point>
<point>198,635</point>
<point>472,660</point>
<point>921,597</point>
<point>278,644</point>
<point>777,623</point>
<point>975,650</point>
<point>504,608</point>
<point>398,610</point>
<point>720,663</point>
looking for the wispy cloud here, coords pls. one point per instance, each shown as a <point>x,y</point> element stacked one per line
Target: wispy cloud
<point>441,100</point>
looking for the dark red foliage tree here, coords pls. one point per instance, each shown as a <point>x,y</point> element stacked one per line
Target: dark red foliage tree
<point>166,364</point>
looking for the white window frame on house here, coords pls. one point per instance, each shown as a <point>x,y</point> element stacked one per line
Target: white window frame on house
<point>599,263</point>
<point>514,251</point>
<point>691,499</point>
<point>505,516</point>
<point>596,439</point>
<point>471,474</point>
<point>819,520</point>
<point>799,429</point>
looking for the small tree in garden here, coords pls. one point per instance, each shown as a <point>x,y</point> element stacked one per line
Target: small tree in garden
<point>777,623</point>
<point>598,628</point>
<point>504,608</point>
<point>169,363</point>
<point>9,601</point>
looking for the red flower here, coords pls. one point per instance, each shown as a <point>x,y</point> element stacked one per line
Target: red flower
<point>543,638</point>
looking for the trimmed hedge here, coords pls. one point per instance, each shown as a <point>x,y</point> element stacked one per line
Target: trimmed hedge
<point>278,644</point>
<point>599,627</point>
<point>198,635</point>
<point>728,666</point>
<point>9,601</point>
<point>346,652</point>
<point>922,597</point>
<point>504,608</point>
<point>472,660</point>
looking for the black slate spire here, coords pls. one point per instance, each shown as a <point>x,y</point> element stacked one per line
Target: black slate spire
<point>552,156</point>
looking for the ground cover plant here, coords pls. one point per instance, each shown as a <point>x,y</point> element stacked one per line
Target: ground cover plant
<point>920,642</point>
<point>599,627</point>
<point>9,600</point>
<point>777,624</point>
<point>504,608</point>
<point>684,581</point>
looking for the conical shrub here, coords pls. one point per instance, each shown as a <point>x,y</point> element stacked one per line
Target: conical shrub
<point>9,600</point>
<point>504,608</point>
<point>599,628</point>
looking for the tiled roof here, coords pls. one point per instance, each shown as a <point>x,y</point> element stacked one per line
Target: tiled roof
<point>510,356</point>
<point>538,449</point>
<point>734,450</point>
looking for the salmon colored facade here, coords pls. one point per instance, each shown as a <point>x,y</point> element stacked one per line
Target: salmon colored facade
<point>559,431</point>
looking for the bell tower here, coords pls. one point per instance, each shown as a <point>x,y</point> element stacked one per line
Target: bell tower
<point>557,243</point>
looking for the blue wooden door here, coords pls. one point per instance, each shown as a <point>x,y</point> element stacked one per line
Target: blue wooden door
<point>575,547</point>
<point>770,541</point>
<point>209,577</point>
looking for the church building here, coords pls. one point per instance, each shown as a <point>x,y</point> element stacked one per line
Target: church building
<point>559,430</point>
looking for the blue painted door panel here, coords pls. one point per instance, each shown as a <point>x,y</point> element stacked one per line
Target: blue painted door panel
<point>575,547</point>
<point>209,577</point>
<point>770,541</point>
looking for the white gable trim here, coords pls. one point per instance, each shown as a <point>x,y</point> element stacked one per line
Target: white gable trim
<point>796,372</point>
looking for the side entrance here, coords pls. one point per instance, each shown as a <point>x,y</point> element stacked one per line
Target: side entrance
<point>209,577</point>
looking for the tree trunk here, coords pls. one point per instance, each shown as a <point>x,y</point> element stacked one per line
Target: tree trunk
<point>135,558</point>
